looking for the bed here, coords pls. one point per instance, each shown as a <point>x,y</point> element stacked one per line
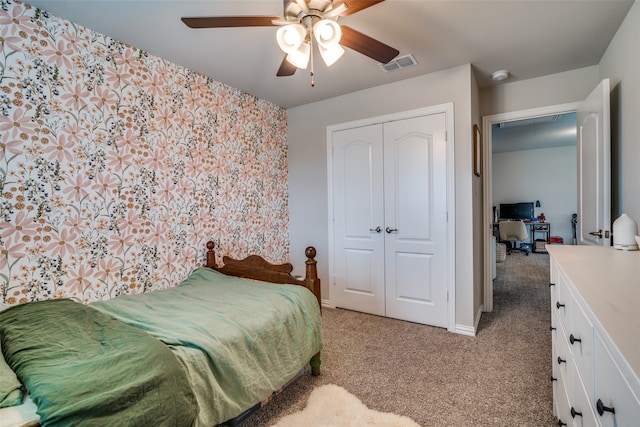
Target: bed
<point>207,352</point>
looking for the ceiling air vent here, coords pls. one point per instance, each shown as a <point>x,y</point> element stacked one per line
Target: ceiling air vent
<point>398,63</point>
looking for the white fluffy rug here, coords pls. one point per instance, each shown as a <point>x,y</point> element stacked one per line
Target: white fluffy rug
<point>331,405</point>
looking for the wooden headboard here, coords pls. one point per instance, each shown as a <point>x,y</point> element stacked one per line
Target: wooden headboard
<point>257,268</point>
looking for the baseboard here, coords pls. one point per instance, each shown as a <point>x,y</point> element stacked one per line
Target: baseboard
<point>459,329</point>
<point>465,330</point>
<point>479,315</point>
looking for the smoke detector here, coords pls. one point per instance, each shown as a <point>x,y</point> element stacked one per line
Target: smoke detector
<point>500,75</point>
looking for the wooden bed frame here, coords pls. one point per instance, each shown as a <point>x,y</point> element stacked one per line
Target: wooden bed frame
<point>257,268</point>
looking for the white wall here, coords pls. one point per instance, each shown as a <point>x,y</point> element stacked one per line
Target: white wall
<point>548,175</point>
<point>307,138</point>
<point>554,89</point>
<point>621,64</point>
<point>307,141</point>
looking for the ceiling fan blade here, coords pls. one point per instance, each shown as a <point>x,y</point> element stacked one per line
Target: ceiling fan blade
<point>354,6</point>
<point>367,46</point>
<point>286,68</point>
<point>230,21</point>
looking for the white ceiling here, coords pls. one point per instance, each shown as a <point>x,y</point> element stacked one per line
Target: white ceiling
<point>556,130</point>
<point>530,38</point>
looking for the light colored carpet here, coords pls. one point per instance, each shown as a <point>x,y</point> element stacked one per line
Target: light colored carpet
<point>332,406</point>
<point>437,378</point>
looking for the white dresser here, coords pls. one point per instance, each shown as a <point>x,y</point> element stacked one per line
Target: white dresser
<point>595,326</point>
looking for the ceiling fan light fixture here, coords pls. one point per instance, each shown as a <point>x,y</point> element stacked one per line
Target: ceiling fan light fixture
<point>305,23</point>
<point>291,37</point>
<point>331,55</point>
<point>300,56</point>
<point>327,33</point>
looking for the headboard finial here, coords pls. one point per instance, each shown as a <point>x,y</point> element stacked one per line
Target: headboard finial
<point>310,252</point>
<point>211,255</point>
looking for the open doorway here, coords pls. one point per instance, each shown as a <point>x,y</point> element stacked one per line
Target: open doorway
<point>514,175</point>
<point>534,164</point>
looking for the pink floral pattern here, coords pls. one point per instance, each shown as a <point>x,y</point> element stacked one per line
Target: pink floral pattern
<point>117,166</point>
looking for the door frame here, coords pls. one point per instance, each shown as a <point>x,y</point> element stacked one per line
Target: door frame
<point>487,187</point>
<point>448,110</point>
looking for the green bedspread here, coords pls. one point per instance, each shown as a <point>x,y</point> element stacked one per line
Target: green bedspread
<point>82,367</point>
<point>239,340</point>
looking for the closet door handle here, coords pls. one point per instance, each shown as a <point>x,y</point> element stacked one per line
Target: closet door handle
<point>390,230</point>
<point>378,229</point>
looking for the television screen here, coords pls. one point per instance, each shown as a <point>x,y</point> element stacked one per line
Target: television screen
<point>518,211</point>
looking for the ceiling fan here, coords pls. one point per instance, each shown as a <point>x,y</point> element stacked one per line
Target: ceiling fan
<point>307,23</point>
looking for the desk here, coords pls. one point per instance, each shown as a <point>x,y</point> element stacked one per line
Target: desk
<point>543,228</point>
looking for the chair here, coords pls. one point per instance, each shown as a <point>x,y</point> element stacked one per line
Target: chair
<point>513,231</point>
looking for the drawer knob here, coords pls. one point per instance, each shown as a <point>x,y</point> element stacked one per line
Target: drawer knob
<point>551,284</point>
<point>573,339</point>
<point>560,423</point>
<point>558,305</point>
<point>553,378</point>
<point>561,360</point>
<point>574,413</point>
<point>602,409</point>
<point>551,328</point>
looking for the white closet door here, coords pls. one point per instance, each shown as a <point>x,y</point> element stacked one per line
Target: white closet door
<point>358,211</point>
<point>415,169</point>
<point>390,219</point>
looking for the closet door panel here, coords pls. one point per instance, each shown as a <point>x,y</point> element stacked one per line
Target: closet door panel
<point>415,218</point>
<point>358,212</point>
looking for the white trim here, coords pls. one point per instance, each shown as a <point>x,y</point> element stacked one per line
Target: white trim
<point>468,330</point>
<point>451,212</point>
<point>465,330</point>
<point>448,109</point>
<point>327,303</point>
<point>330,216</point>
<point>478,316</point>
<point>487,122</point>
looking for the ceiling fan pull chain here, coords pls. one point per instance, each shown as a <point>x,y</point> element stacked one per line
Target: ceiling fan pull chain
<point>313,83</point>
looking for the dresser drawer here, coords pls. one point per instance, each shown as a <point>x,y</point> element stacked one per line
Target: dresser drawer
<point>553,281</point>
<point>561,357</point>
<point>615,401</point>
<point>562,303</point>
<point>580,409</point>
<point>580,338</point>
<point>561,403</point>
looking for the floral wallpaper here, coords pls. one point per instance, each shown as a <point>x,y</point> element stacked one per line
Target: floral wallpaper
<point>117,166</point>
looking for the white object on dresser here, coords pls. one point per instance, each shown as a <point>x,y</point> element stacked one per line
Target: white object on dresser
<point>595,325</point>
<point>624,230</point>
